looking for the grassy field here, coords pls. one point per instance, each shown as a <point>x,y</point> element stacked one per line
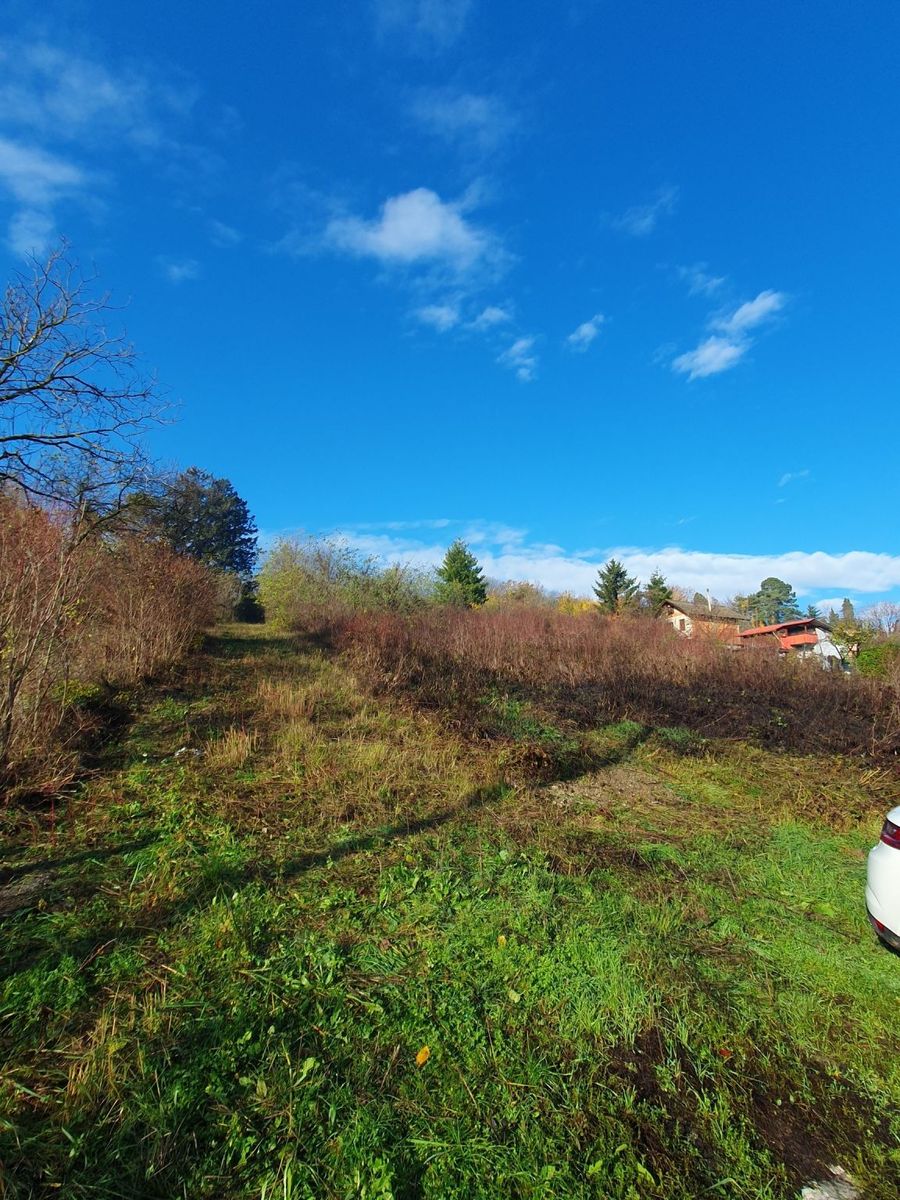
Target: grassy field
<point>290,940</point>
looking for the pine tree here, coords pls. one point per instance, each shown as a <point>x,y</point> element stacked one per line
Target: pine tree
<point>658,593</point>
<point>776,601</point>
<point>813,613</point>
<point>615,589</point>
<point>201,517</point>
<point>460,580</point>
<point>847,613</point>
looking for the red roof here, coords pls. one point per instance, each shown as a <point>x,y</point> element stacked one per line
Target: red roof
<point>807,623</point>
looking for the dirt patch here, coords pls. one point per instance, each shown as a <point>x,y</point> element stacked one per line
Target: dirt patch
<point>581,855</point>
<point>619,786</point>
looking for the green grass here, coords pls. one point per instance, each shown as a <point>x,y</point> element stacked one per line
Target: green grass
<point>655,979</point>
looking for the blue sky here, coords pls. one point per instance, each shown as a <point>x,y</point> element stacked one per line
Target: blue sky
<point>567,279</point>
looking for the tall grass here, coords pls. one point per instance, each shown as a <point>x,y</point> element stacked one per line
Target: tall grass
<point>589,670</point>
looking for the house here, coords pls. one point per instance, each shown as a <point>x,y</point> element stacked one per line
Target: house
<point>802,637</point>
<point>692,618</point>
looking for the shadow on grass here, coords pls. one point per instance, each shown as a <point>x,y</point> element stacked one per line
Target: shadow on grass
<point>232,880</point>
<point>8,874</point>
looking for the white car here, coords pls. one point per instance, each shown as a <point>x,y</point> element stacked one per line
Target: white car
<point>883,882</point>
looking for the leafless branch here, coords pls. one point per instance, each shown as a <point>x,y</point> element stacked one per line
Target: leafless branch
<point>74,405</point>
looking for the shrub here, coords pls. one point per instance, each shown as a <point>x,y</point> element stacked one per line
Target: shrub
<point>587,671</point>
<point>78,610</point>
<point>305,579</point>
<point>881,661</point>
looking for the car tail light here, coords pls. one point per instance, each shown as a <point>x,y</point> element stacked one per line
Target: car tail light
<point>890,834</point>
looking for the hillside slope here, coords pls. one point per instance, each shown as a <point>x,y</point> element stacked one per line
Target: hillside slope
<point>291,940</point>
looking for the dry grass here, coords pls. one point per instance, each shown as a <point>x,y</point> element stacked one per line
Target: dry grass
<point>586,671</point>
<point>232,751</point>
<point>285,700</point>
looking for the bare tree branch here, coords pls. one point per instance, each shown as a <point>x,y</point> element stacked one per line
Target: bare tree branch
<point>74,405</point>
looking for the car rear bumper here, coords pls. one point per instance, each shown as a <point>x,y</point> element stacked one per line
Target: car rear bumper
<point>886,935</point>
<point>883,892</point>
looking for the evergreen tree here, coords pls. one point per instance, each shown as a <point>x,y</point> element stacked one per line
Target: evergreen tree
<point>848,616</point>
<point>460,580</point>
<point>813,612</point>
<point>203,518</point>
<point>776,601</point>
<point>658,593</point>
<point>615,589</point>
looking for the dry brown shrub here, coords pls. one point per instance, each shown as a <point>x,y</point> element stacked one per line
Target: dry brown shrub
<point>148,607</point>
<point>590,670</point>
<point>79,613</point>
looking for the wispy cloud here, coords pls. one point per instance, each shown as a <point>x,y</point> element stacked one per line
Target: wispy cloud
<point>441,317</point>
<point>641,220</point>
<point>749,315</point>
<point>59,111</point>
<point>713,355</point>
<point>472,121</point>
<point>180,270</point>
<point>699,280</point>
<point>791,476</point>
<point>224,235</point>
<point>586,333</point>
<point>35,180</point>
<point>30,232</point>
<point>424,25</point>
<point>56,92</point>
<point>726,347</point>
<point>414,227</point>
<point>490,317</point>
<point>520,357</point>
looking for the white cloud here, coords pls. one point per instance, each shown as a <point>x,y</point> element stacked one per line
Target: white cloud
<point>224,235</point>
<point>641,220</point>
<point>413,227</point>
<point>699,280</point>
<point>586,332</point>
<point>725,348</point>
<point>180,270</point>
<point>747,316</point>
<point>506,553</point>
<point>50,95</point>
<point>490,317</point>
<point>467,119</point>
<point>35,177</point>
<point>713,355</point>
<point>441,317</point>
<point>30,233</point>
<point>520,358</point>
<point>790,476</point>
<point>426,24</point>
<point>55,91</point>
<point>35,181</point>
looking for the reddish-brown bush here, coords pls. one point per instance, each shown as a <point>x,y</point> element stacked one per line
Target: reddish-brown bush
<point>589,670</point>
<point>78,610</point>
<point>147,607</point>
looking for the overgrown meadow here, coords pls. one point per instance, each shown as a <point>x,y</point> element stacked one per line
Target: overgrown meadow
<point>304,933</point>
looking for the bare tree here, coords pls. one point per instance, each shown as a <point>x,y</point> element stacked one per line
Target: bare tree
<point>884,618</point>
<point>73,403</point>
